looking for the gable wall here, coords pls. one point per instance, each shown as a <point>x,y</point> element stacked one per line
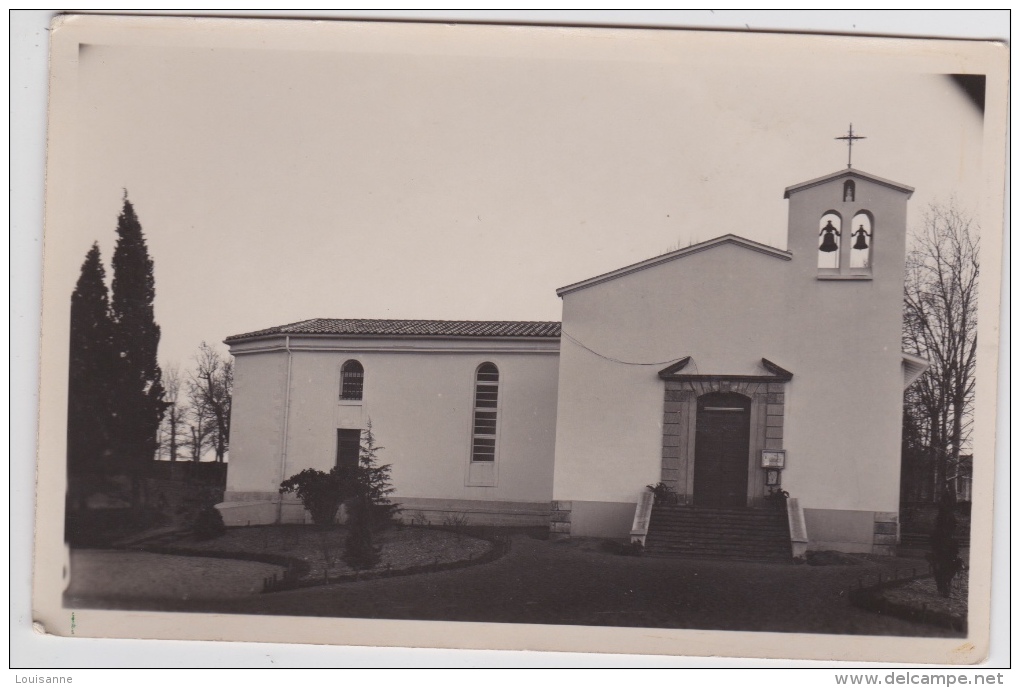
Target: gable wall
<point>716,306</point>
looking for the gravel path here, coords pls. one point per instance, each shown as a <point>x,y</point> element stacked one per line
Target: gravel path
<point>130,575</point>
<point>578,583</point>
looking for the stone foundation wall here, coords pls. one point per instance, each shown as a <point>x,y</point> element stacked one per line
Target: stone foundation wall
<point>887,533</point>
<point>559,520</point>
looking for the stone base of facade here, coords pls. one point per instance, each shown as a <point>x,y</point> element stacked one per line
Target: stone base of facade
<point>861,532</point>
<point>472,512</point>
<point>263,508</point>
<point>591,519</point>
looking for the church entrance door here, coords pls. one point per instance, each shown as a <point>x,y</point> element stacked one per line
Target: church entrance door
<point>721,446</point>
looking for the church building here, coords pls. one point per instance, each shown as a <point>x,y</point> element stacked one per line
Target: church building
<point>726,372</point>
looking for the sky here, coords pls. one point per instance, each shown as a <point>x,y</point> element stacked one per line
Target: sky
<point>467,172</point>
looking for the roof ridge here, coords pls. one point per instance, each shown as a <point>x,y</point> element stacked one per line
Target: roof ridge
<point>849,172</point>
<point>396,327</point>
<point>729,238</point>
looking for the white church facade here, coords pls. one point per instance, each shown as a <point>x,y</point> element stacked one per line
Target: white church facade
<point>727,370</point>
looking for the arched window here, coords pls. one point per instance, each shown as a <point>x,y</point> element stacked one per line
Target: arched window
<point>352,381</point>
<point>483,441</point>
<point>829,240</point>
<point>849,191</point>
<point>861,241</point>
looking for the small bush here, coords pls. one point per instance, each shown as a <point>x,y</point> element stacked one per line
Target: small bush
<point>777,498</point>
<point>208,524</point>
<point>664,494</point>
<point>945,551</point>
<point>322,493</point>
<point>456,520</point>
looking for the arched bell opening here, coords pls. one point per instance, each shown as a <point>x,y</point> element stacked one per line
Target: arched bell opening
<point>862,238</point>
<point>829,240</point>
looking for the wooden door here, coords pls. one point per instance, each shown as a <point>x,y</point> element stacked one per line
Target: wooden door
<point>721,450</point>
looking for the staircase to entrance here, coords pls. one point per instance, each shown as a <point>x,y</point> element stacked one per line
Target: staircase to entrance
<point>737,533</point>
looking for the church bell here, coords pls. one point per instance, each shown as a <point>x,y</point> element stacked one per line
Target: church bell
<point>828,241</point>
<point>861,242</point>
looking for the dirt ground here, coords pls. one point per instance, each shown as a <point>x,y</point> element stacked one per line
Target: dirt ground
<point>577,582</point>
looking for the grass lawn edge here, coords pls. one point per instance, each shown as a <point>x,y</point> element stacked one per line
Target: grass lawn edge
<point>296,570</point>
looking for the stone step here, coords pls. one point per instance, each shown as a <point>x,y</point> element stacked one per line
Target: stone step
<point>747,534</point>
<point>750,538</point>
<point>713,510</point>
<point>748,515</point>
<point>719,528</point>
<point>708,544</point>
<point>658,518</point>
<point>686,541</point>
<point>774,555</point>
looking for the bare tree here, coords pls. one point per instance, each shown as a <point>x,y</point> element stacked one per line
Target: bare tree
<point>173,432</point>
<point>940,324</point>
<point>198,430</point>
<point>210,387</point>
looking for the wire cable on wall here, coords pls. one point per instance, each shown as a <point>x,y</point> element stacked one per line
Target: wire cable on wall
<point>617,360</point>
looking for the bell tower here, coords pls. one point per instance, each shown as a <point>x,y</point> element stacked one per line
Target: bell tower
<point>849,225</point>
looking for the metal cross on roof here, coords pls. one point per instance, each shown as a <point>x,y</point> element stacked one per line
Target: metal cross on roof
<point>850,138</point>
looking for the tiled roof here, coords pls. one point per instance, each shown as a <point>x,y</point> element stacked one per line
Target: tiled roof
<point>411,328</point>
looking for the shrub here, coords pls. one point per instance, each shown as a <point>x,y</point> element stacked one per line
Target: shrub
<point>945,551</point>
<point>370,510</point>
<point>360,550</point>
<point>208,524</point>
<point>664,494</point>
<point>777,498</point>
<point>322,493</point>
<point>373,484</point>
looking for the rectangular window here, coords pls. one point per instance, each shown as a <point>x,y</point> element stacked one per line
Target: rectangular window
<point>348,448</point>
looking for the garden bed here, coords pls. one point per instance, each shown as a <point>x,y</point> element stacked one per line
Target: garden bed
<point>918,600</point>
<point>313,556</point>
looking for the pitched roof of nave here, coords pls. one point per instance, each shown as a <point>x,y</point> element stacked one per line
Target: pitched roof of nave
<point>726,239</point>
<point>409,328</point>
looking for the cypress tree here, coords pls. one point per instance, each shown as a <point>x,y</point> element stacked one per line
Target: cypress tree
<point>138,404</point>
<point>91,367</point>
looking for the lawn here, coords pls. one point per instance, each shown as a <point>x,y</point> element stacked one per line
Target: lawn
<point>922,595</point>
<point>322,550</point>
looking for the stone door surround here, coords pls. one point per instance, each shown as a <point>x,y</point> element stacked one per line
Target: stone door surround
<point>680,407</point>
